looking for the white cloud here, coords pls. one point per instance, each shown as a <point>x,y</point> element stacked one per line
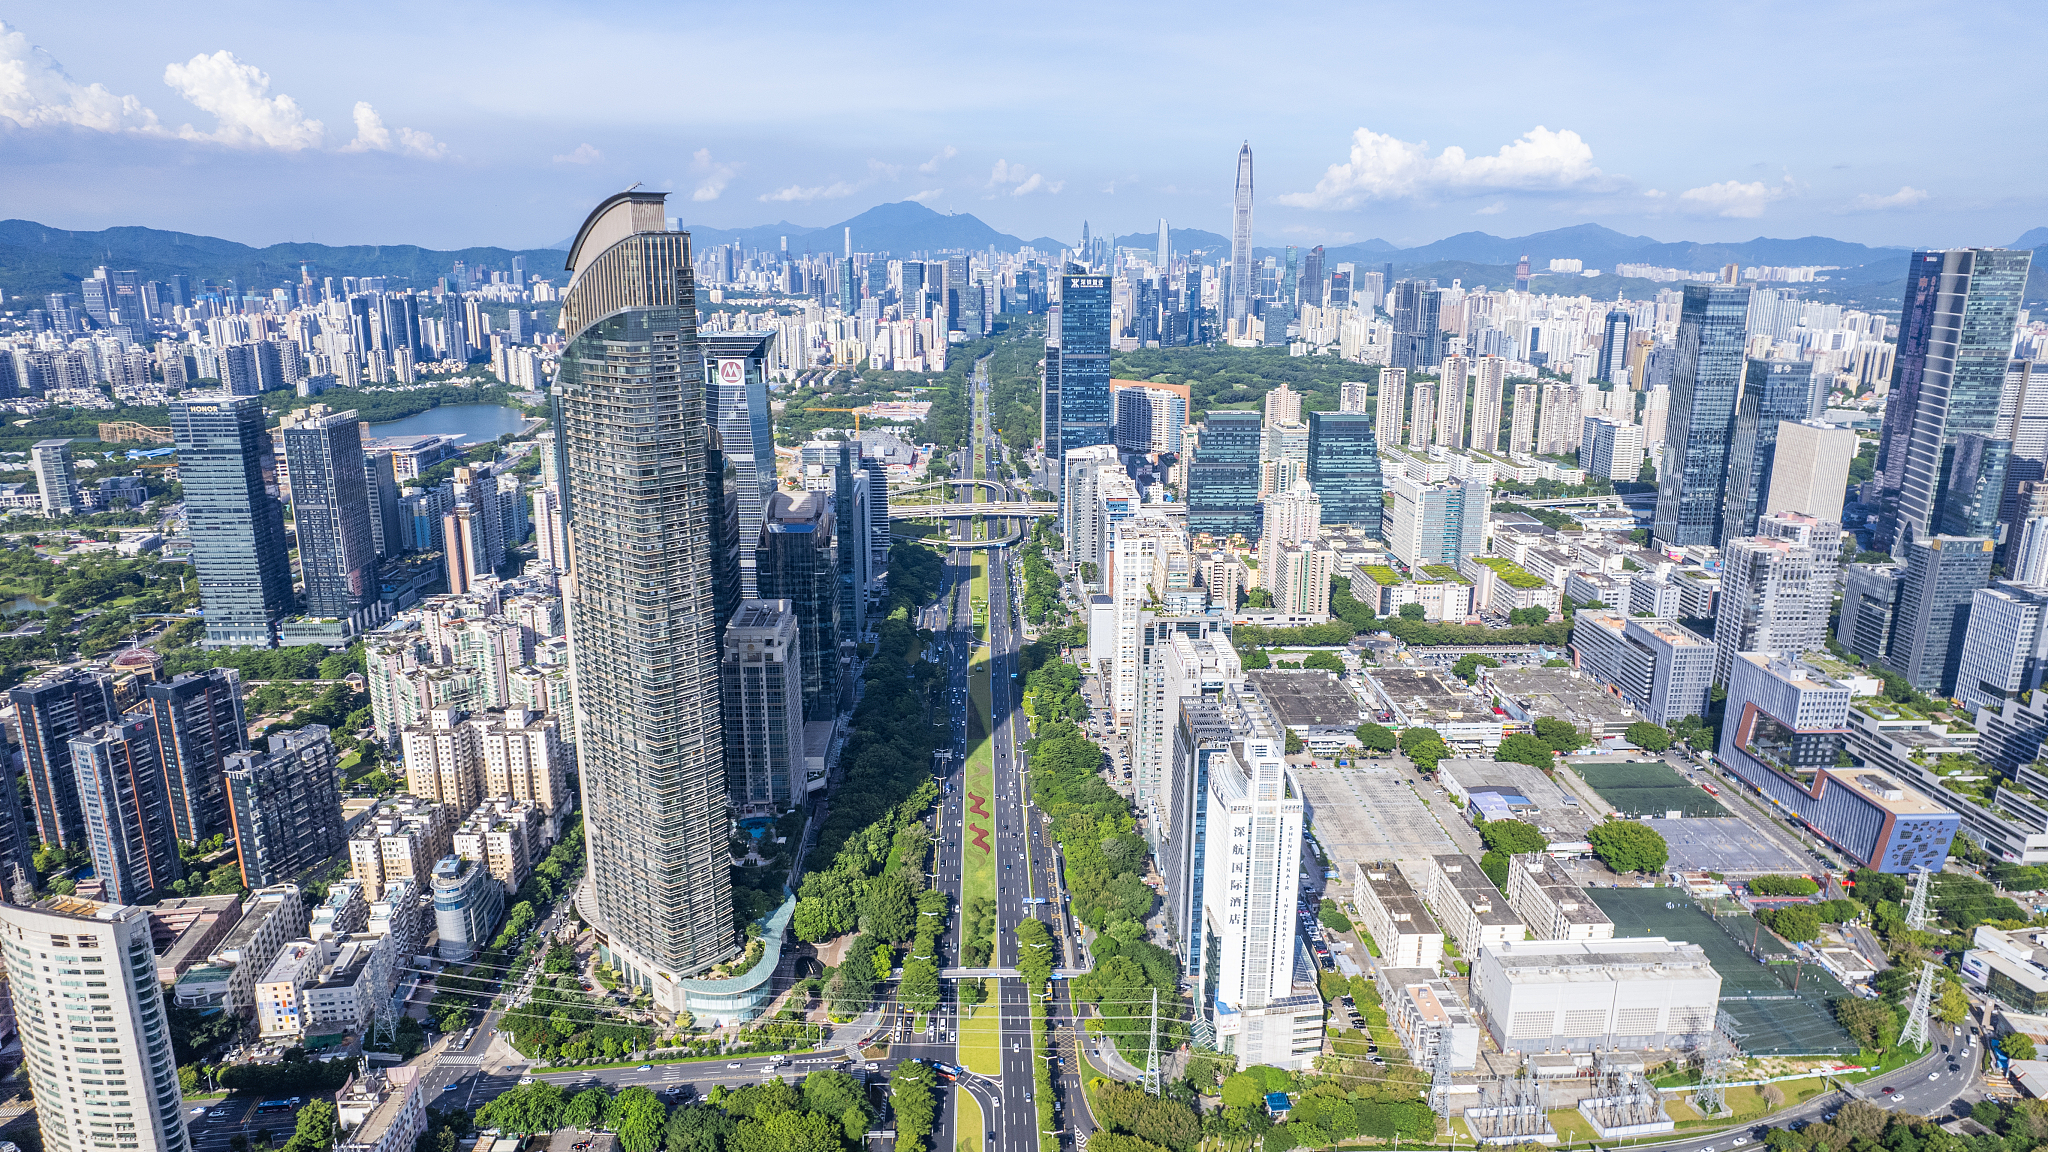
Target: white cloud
<point>943,155</point>
<point>1026,181</point>
<point>1905,197</point>
<point>877,170</point>
<point>714,175</point>
<point>36,92</point>
<point>584,154</point>
<point>1734,198</point>
<point>799,194</point>
<point>1381,167</point>
<point>373,136</point>
<point>1493,209</point>
<point>927,195</point>
<point>237,95</point>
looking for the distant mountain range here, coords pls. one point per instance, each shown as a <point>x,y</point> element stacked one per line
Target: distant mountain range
<point>35,258</point>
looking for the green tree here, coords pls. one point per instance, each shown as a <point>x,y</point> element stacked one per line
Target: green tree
<point>1468,666</point>
<point>1869,1022</point>
<point>911,1096</point>
<point>1243,1090</point>
<point>1559,735</point>
<point>1783,886</point>
<point>919,988</point>
<point>1324,662</point>
<point>2017,1046</point>
<point>1513,837</point>
<point>1525,617</point>
<point>1953,1005</point>
<point>1333,917</point>
<point>1522,748</point>
<point>1627,846</point>
<point>1424,746</point>
<point>1797,924</point>
<point>637,1115</point>
<point>585,1108</point>
<point>1294,744</point>
<point>1376,738</point>
<point>888,912</point>
<point>316,1128</point>
<point>1034,953</point>
<point>1647,736</point>
<point>1413,611</point>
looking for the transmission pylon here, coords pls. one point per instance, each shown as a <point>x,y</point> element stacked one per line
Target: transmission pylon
<point>1717,1064</point>
<point>1916,912</point>
<point>1440,1076</point>
<point>1915,1031</point>
<point>1152,1056</point>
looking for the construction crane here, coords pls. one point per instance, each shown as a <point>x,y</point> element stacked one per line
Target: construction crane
<point>856,415</point>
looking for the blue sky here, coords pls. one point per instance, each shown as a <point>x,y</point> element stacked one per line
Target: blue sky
<point>451,124</point>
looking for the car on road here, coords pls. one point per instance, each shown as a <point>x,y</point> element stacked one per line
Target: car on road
<point>199,1111</point>
<point>734,1064</point>
<point>644,1068</point>
<point>216,1114</point>
<point>450,1087</point>
<point>1934,1075</point>
<point>526,1079</point>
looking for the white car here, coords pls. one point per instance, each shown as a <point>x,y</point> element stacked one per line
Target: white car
<point>1933,1075</point>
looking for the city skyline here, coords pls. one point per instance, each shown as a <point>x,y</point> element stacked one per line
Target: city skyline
<point>223,100</point>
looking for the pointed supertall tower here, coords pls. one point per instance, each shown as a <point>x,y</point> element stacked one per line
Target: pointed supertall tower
<point>1243,279</point>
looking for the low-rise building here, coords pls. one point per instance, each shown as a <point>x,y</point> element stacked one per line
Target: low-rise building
<point>400,915</point>
<point>1501,585</point>
<point>1393,914</point>
<point>354,981</point>
<point>1421,698</point>
<point>1658,667</point>
<point>344,911</point>
<point>1472,911</point>
<point>381,1110</point>
<point>404,837</point>
<point>1643,992</point>
<point>2011,966</point>
<point>1562,694</point>
<point>1314,705</point>
<point>186,930</point>
<point>2002,809</point>
<point>1428,1015</point>
<point>507,836</point>
<point>1549,902</point>
<point>280,1011</point>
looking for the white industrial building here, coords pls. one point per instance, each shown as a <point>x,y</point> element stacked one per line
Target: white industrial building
<point>1393,914</point>
<point>1428,1014</point>
<point>1584,995</point>
<point>1551,905</point>
<point>1467,904</point>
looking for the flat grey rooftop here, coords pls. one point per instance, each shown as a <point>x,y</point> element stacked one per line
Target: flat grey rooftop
<point>1363,815</point>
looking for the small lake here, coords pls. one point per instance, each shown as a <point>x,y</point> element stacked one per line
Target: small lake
<point>473,423</point>
<point>26,602</point>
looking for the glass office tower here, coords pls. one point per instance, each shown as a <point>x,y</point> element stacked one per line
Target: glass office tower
<point>1223,479</point>
<point>634,425</point>
<point>1692,485</point>
<point>1773,391</point>
<point>1344,467</point>
<point>238,541</point>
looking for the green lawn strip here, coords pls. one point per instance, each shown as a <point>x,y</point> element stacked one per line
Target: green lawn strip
<point>981,1035</point>
<point>1041,1078</point>
<point>968,1123</point>
<point>978,872</point>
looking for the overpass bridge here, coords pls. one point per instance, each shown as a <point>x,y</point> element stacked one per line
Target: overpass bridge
<point>959,511</point>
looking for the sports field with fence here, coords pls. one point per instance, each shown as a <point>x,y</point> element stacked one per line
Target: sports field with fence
<point>1781,1009</point>
<point>1647,790</point>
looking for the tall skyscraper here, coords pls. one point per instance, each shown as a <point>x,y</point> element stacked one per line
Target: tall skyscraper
<point>1810,468</point>
<point>126,816</point>
<point>285,813</point>
<point>1244,277</point>
<point>1774,392</point>
<point>1489,385</point>
<point>1418,335</point>
<point>47,712</point>
<point>1450,401</point>
<point>1310,291</point>
<point>1941,459</point>
<point>238,541</point>
<point>1084,348</point>
<point>1776,588</point>
<point>49,946</point>
<point>1614,346</point>
<point>798,564</point>
<point>331,514</point>
<point>1941,579</point>
<point>1391,405</point>
<point>56,482</point>
<point>763,685</point>
<point>737,363</point>
<point>1165,263</point>
<point>1223,479</point>
<point>199,722</point>
<point>1344,467</point>
<point>642,633</point>
<point>1692,485</point>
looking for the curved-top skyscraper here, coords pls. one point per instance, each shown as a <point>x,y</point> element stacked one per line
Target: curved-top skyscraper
<point>1244,279</point>
<point>634,431</point>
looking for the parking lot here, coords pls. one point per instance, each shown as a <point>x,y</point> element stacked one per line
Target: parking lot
<point>1370,814</point>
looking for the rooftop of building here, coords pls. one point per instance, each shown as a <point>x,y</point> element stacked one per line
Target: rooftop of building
<point>1487,902</point>
<point>1566,896</point>
<point>1887,793</point>
<point>1669,631</point>
<point>1307,699</point>
<point>1565,693</point>
<point>1559,961</point>
<point>1388,886</point>
<point>1797,674</point>
<point>1423,694</point>
<point>1513,574</point>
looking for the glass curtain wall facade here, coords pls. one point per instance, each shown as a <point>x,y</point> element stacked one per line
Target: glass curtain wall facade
<point>1691,488</point>
<point>634,425</point>
<point>1223,480</point>
<point>1084,360</point>
<point>238,542</point>
<point>737,362</point>
<point>1773,391</point>
<point>1344,467</point>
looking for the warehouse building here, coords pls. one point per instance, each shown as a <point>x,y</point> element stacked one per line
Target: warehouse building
<point>1645,992</point>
